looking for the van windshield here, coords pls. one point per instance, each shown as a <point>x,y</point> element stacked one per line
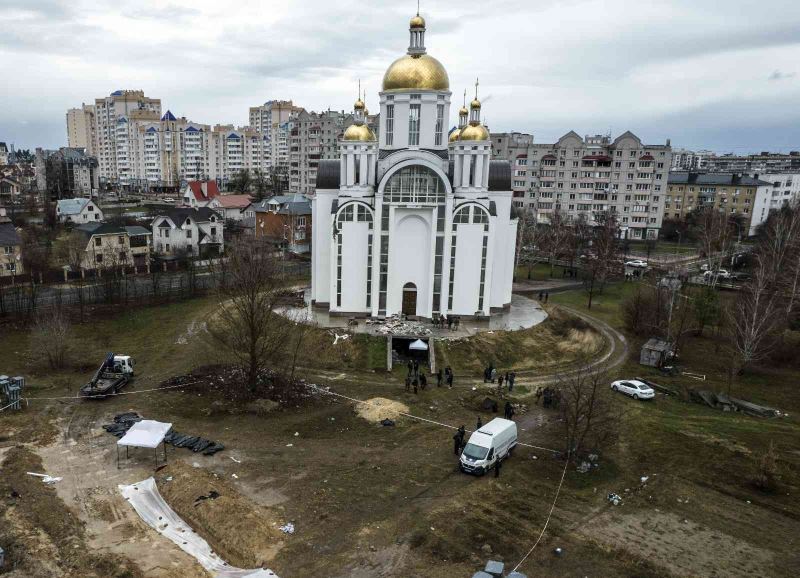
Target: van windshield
<point>475,452</point>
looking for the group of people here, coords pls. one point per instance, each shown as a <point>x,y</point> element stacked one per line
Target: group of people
<point>490,374</point>
<point>552,397</point>
<point>544,296</point>
<point>417,379</point>
<point>453,322</point>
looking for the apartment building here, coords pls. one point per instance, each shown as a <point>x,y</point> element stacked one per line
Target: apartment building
<point>731,193</point>
<point>4,154</point>
<point>81,128</point>
<point>764,162</point>
<point>66,172</point>
<point>686,160</point>
<point>588,176</point>
<point>785,187</point>
<point>114,161</point>
<point>271,119</point>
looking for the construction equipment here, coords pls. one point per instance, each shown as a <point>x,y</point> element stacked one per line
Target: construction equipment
<point>112,375</point>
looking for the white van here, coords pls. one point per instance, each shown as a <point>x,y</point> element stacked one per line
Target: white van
<point>494,441</point>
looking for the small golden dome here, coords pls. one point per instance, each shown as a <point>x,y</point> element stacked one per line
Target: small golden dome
<point>417,22</point>
<point>454,135</point>
<point>475,103</point>
<point>422,72</point>
<point>474,132</point>
<point>359,105</point>
<point>463,111</point>
<point>359,132</point>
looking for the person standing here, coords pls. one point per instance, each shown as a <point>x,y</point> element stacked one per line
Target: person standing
<point>450,379</point>
<point>416,368</point>
<point>410,367</point>
<point>423,381</point>
<point>508,411</point>
<point>416,383</point>
<point>511,379</point>
<point>541,296</point>
<point>499,382</point>
<point>478,425</point>
<point>439,378</point>
<point>497,467</point>
<point>458,440</point>
<point>408,383</point>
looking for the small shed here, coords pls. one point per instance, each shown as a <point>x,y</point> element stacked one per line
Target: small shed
<point>655,352</point>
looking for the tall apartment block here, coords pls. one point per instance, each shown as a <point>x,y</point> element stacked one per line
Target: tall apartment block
<point>588,176</point>
<point>114,163</point>
<point>81,128</point>
<point>271,119</point>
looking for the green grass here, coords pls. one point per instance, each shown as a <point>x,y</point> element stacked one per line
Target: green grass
<point>606,305</point>
<point>539,272</point>
<point>662,248</point>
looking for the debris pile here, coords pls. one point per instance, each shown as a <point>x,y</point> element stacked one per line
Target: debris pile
<point>124,421</point>
<point>394,325</point>
<point>723,402</point>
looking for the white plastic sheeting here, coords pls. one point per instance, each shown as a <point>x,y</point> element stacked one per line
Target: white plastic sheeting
<point>147,433</point>
<point>156,513</point>
<point>419,345</point>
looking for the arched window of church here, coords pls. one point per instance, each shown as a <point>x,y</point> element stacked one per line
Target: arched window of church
<point>415,184</point>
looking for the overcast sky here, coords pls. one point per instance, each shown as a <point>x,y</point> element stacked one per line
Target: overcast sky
<point>723,75</point>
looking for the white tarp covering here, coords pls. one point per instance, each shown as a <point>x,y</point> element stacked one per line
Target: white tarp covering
<point>156,513</point>
<point>419,345</point>
<point>145,434</point>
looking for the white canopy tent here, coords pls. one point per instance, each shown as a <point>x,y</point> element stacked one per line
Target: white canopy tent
<point>418,345</point>
<point>147,433</point>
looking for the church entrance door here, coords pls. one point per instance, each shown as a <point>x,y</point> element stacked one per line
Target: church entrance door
<point>409,299</point>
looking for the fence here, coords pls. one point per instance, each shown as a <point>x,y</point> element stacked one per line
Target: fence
<point>117,287</point>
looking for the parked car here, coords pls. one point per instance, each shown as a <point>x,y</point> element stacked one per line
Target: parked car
<point>741,276</point>
<point>491,443</point>
<point>721,274</point>
<point>636,263</point>
<point>634,388</point>
<point>169,200</point>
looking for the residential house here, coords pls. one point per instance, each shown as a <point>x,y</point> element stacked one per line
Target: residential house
<point>109,246</point>
<point>10,190</point>
<point>10,248</point>
<point>231,207</point>
<point>188,231</point>
<point>286,220</point>
<point>78,211</point>
<point>200,193</point>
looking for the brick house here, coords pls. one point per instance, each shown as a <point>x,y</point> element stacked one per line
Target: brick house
<point>285,220</point>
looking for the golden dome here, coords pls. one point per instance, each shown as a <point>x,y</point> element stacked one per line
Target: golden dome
<point>417,22</point>
<point>422,72</point>
<point>475,103</point>
<point>359,105</point>
<point>474,132</point>
<point>359,132</point>
<point>463,111</point>
<point>454,135</point>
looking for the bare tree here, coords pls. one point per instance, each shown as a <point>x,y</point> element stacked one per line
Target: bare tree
<point>780,247</point>
<point>756,315</point>
<point>50,336</point>
<point>589,418</point>
<point>715,232</point>
<point>603,254</point>
<point>246,324</point>
<point>554,236</point>
<point>528,236</point>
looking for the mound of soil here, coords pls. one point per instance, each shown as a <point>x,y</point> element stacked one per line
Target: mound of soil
<point>244,534</point>
<point>378,409</point>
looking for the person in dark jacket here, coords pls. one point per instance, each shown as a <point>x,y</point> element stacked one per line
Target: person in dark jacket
<point>478,425</point>
<point>439,378</point>
<point>458,440</point>
<point>423,381</point>
<point>497,468</point>
<point>512,377</point>
<point>450,378</point>
<point>509,411</point>
<point>408,383</point>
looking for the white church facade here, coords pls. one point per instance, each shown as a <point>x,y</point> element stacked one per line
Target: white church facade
<point>418,221</point>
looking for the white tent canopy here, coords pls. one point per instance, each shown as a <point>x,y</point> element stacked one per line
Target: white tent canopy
<point>418,345</point>
<point>147,433</point>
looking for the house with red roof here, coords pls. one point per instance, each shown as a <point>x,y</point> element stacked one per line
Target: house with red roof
<point>199,194</point>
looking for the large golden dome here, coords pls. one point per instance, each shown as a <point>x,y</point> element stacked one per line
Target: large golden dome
<point>421,72</point>
<point>474,132</point>
<point>359,132</point>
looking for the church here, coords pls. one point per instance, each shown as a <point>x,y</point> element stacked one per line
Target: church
<point>416,221</point>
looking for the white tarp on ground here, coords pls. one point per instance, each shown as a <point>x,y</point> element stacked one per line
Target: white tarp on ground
<point>156,513</point>
<point>418,345</point>
<point>145,434</point>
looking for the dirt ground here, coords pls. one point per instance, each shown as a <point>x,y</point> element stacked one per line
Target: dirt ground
<point>373,501</point>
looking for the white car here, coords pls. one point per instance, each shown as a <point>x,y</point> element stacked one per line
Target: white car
<point>721,274</point>
<point>634,388</point>
<point>636,263</point>
<point>169,200</point>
